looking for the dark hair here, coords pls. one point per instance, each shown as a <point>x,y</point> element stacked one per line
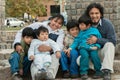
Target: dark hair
<point>16,44</point>
<point>41,29</point>
<point>58,16</point>
<point>71,24</point>
<point>95,5</point>
<point>28,32</point>
<point>85,19</point>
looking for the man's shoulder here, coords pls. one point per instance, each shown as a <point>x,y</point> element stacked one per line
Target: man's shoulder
<point>105,21</point>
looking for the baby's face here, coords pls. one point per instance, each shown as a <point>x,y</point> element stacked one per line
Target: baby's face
<point>74,31</point>
<point>43,36</point>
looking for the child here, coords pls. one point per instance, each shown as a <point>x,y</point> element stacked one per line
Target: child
<point>87,50</point>
<point>55,33</point>
<point>14,61</point>
<point>68,61</point>
<point>19,63</point>
<point>42,60</point>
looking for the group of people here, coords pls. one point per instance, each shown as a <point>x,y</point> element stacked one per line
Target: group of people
<point>40,47</point>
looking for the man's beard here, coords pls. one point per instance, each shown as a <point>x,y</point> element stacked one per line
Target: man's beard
<point>95,23</point>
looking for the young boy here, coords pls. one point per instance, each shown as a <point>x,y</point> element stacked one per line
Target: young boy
<point>68,61</point>
<point>18,60</point>
<point>42,60</point>
<point>87,50</point>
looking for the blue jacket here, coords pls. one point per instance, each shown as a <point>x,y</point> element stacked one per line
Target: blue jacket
<point>81,40</point>
<point>107,31</point>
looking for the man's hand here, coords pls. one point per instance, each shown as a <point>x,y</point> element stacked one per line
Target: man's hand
<point>92,40</point>
<point>58,54</point>
<point>32,57</point>
<point>44,48</point>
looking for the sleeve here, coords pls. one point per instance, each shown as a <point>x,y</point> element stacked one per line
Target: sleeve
<point>110,35</point>
<point>98,35</point>
<point>18,37</point>
<point>75,43</point>
<point>31,49</point>
<point>60,39</point>
<point>54,45</point>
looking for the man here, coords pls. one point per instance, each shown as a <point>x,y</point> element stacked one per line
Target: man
<point>108,41</point>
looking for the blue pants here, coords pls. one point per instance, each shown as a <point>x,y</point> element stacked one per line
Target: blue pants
<point>84,60</point>
<point>69,63</point>
<point>14,62</point>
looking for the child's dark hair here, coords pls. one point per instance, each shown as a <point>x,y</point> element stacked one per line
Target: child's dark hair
<point>58,16</point>
<point>16,44</point>
<point>71,24</point>
<point>41,29</point>
<point>95,5</point>
<point>85,19</point>
<point>28,32</point>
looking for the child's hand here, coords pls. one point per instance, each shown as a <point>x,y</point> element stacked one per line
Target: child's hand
<point>32,57</point>
<point>21,71</point>
<point>58,54</point>
<point>67,52</point>
<point>94,48</point>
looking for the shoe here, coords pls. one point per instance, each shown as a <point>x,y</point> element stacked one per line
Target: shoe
<point>16,76</point>
<point>66,74</point>
<point>41,74</point>
<point>106,74</point>
<point>74,76</point>
<point>49,76</point>
<point>97,75</point>
<point>84,76</point>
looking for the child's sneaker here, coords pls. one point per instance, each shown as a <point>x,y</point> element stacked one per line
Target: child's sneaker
<point>84,76</point>
<point>41,74</point>
<point>49,76</point>
<point>16,76</point>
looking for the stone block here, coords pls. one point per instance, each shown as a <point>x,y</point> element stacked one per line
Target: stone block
<point>73,12</point>
<point>78,5</point>
<point>67,7</point>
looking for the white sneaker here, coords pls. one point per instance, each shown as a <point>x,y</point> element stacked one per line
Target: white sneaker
<point>16,76</point>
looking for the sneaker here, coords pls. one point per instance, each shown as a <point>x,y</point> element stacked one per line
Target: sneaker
<point>16,76</point>
<point>97,75</point>
<point>66,74</point>
<point>106,74</point>
<point>84,76</point>
<point>74,75</point>
<point>49,76</point>
<point>41,74</point>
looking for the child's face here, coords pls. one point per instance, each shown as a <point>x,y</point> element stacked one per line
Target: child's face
<point>83,26</point>
<point>27,39</point>
<point>19,49</point>
<point>74,31</point>
<point>56,23</point>
<point>43,36</point>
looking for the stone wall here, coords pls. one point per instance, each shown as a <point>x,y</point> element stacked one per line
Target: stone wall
<point>2,17</point>
<point>75,8</point>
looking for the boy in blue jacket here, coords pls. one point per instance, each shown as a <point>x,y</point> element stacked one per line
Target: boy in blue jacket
<point>87,50</point>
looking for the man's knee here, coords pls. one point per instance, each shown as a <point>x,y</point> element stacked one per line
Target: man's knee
<point>109,44</point>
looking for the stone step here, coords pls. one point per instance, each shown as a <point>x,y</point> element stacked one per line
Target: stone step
<point>5,66</point>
